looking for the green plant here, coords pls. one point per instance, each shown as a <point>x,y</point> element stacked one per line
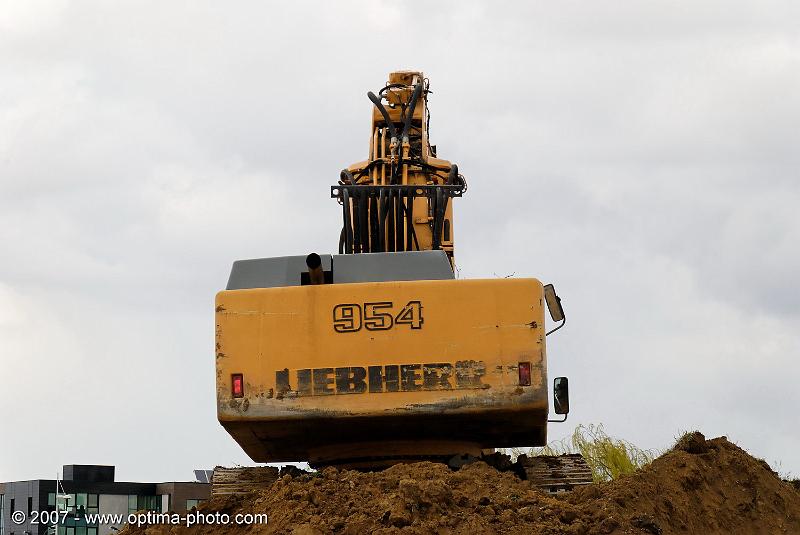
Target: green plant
<point>608,457</point>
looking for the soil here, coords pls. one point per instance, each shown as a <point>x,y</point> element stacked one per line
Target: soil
<point>699,487</point>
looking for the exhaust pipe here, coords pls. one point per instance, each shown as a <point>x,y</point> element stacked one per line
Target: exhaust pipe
<point>315,273</point>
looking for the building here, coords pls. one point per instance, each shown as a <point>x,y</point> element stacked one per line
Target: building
<point>87,490</point>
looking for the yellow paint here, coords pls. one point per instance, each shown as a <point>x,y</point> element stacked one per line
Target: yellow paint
<point>262,331</point>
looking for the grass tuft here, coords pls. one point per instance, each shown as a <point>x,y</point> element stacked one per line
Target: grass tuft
<point>608,457</point>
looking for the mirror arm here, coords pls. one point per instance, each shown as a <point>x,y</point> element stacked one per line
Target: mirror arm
<point>560,421</point>
<point>551,331</point>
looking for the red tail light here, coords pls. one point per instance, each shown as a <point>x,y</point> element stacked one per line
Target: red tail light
<point>237,385</point>
<point>524,374</point>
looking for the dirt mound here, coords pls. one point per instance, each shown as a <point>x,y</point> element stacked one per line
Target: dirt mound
<point>700,486</point>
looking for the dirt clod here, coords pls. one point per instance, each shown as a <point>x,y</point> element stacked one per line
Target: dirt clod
<point>693,442</point>
<point>700,486</point>
<point>646,523</point>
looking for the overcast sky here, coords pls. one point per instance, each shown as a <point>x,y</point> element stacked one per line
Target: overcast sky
<point>642,156</point>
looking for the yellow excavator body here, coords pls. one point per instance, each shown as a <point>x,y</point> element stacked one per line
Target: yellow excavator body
<point>328,368</point>
<point>380,353</point>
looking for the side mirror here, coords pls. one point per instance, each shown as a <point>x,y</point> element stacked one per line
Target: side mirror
<point>553,303</point>
<point>561,395</point>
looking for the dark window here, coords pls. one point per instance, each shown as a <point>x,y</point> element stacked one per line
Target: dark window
<point>66,502</point>
<point>74,503</point>
<point>12,505</point>
<point>143,503</point>
<point>30,505</point>
<point>80,506</point>
<point>190,504</point>
<point>92,506</point>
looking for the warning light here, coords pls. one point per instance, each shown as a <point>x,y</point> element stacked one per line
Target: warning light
<point>524,374</point>
<point>237,385</point>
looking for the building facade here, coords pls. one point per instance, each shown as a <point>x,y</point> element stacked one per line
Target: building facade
<point>84,491</point>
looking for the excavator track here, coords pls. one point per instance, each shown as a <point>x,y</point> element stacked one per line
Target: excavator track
<point>242,480</point>
<point>556,473</point>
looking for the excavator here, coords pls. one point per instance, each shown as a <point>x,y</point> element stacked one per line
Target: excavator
<point>380,354</point>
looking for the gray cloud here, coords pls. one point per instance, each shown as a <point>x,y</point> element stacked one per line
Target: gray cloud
<point>640,156</point>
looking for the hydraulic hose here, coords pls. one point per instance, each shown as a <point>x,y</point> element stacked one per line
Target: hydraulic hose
<point>400,217</point>
<point>374,240</point>
<point>390,222</point>
<point>348,229</point>
<point>435,223</point>
<point>347,177</point>
<point>438,217</point>
<point>363,224</point>
<point>409,220</point>
<point>392,130</point>
<point>410,111</point>
<point>388,87</point>
<point>452,177</point>
<point>378,104</point>
<point>355,207</point>
<point>381,222</point>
